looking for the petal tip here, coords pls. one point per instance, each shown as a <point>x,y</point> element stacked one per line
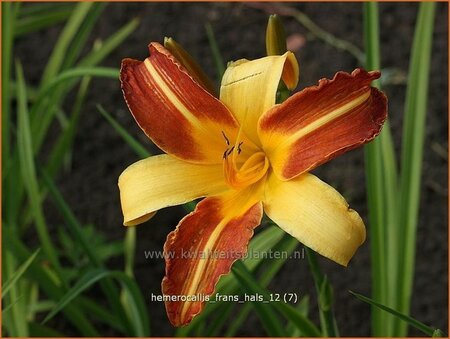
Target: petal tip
<point>291,71</point>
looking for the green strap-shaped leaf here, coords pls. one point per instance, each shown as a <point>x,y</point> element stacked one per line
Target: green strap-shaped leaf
<point>28,171</point>
<point>137,306</point>
<point>135,145</point>
<point>20,271</point>
<point>412,156</point>
<point>42,20</point>
<point>60,49</point>
<point>250,285</point>
<point>413,322</point>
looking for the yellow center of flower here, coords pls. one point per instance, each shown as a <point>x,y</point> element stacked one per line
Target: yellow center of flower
<point>241,173</point>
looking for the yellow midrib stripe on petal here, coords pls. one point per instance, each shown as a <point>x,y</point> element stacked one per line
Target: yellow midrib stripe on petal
<point>333,115</point>
<point>170,94</point>
<point>247,198</point>
<point>202,262</point>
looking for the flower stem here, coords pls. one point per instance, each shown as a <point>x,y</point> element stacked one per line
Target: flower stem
<point>324,296</point>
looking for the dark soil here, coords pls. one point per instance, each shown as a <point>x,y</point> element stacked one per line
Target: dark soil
<point>100,155</point>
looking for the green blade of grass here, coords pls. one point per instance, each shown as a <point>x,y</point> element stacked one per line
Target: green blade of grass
<point>59,51</point>
<point>44,112</point>
<point>38,330</point>
<point>64,143</point>
<point>28,171</point>
<point>250,285</point>
<point>324,296</point>
<point>32,91</point>
<point>265,312</point>
<point>381,172</point>
<point>47,284</point>
<point>261,243</point>
<point>135,145</point>
<point>373,167</point>
<point>41,306</point>
<point>412,152</point>
<point>93,58</point>
<point>219,321</point>
<point>217,56</point>
<point>77,72</point>
<point>16,275</point>
<point>76,229</point>
<point>8,187</point>
<point>99,313</point>
<point>79,41</point>
<point>8,19</point>
<point>302,323</point>
<point>139,312</point>
<point>33,23</point>
<point>17,325</point>
<point>7,308</point>
<point>286,245</point>
<point>16,198</point>
<point>40,129</point>
<point>32,298</point>
<point>62,147</point>
<point>109,45</point>
<point>136,307</point>
<point>302,308</point>
<point>411,321</point>
<point>41,8</point>
<point>86,281</point>
<point>47,104</point>
<point>129,250</point>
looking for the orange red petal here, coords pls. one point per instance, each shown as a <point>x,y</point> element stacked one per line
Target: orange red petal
<point>175,112</point>
<point>321,122</point>
<point>202,248</point>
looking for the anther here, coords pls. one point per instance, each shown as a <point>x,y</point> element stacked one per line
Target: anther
<point>230,151</point>
<point>239,150</point>
<point>226,139</point>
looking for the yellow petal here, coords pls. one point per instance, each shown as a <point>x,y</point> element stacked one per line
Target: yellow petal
<point>316,214</point>
<point>249,88</point>
<point>160,181</point>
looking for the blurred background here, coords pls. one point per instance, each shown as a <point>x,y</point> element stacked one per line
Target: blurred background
<point>87,177</point>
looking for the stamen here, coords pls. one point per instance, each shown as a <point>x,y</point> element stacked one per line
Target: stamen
<point>253,169</point>
<point>243,170</point>
<point>230,150</point>
<point>226,139</point>
<point>239,150</point>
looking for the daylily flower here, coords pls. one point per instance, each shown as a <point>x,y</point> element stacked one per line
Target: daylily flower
<point>244,154</point>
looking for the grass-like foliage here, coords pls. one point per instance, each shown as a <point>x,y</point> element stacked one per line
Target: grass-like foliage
<point>48,282</point>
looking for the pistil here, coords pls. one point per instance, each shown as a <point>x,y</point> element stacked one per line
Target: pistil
<point>251,170</point>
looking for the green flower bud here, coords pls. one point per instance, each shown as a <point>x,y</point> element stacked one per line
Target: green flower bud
<point>275,36</point>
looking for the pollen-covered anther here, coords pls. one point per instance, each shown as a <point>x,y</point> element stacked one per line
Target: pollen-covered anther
<point>252,170</point>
